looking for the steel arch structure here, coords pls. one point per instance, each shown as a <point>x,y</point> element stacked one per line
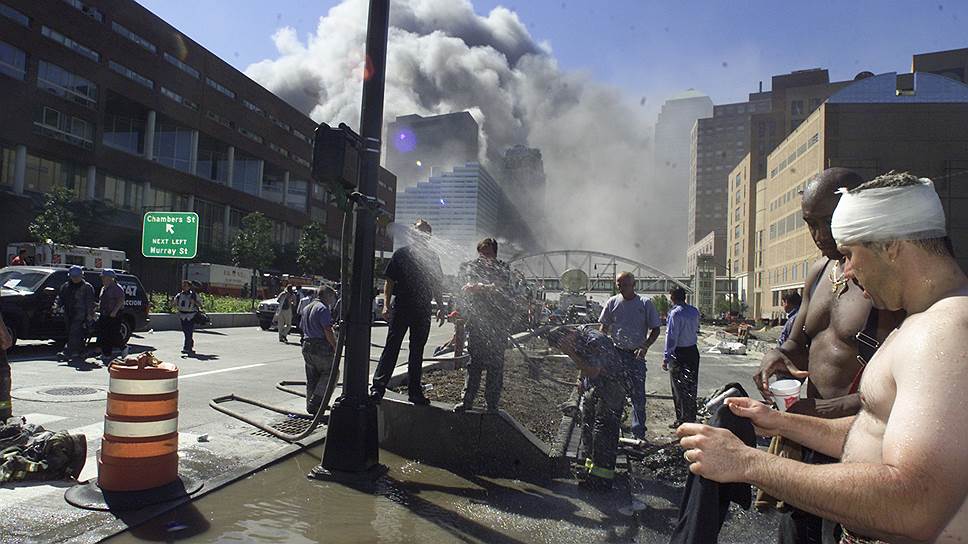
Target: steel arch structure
<point>594,263</point>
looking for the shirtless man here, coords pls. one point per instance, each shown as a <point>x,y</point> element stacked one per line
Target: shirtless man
<point>903,475</point>
<point>822,339</point>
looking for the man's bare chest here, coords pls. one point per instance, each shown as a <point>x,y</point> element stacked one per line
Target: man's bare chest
<point>842,313</point>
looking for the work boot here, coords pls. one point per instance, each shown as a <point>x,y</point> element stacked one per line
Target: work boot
<point>79,442</point>
<point>376,396</point>
<point>460,408</point>
<point>419,399</point>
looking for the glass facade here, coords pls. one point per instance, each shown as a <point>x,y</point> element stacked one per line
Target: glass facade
<point>8,158</point>
<point>124,133</point>
<point>68,85</point>
<point>272,187</point>
<point>176,62</point>
<point>219,87</point>
<point>133,37</point>
<point>122,193</point>
<point>42,175</point>
<point>70,44</point>
<point>173,144</point>
<point>14,15</point>
<point>131,74</point>
<point>211,223</point>
<point>13,61</point>
<point>298,194</point>
<point>179,98</point>
<point>162,200</point>
<point>60,126</point>
<point>247,173</point>
<point>213,160</point>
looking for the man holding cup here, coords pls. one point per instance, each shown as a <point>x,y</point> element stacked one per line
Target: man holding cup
<point>903,471</point>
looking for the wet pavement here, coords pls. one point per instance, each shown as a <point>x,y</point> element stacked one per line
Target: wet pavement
<point>420,503</point>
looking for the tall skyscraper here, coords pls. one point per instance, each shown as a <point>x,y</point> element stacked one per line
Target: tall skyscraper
<point>523,180</point>
<point>673,137</point>
<point>417,145</point>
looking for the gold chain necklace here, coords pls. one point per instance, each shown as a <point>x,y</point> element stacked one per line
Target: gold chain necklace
<point>836,283</point>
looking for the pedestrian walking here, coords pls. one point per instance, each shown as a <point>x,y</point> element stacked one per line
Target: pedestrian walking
<point>605,385</point>
<point>681,357</point>
<point>487,300</point>
<point>6,404</point>
<point>318,345</point>
<point>110,303</point>
<point>632,322</point>
<point>286,306</point>
<point>76,299</point>
<point>413,278</point>
<point>189,303</point>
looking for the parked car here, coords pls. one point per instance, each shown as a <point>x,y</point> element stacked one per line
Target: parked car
<point>28,295</point>
<point>266,310</point>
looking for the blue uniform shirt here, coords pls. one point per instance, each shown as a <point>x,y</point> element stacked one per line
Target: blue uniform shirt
<point>316,317</point>
<point>682,329</point>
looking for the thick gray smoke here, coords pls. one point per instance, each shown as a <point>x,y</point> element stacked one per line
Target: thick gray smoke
<point>443,57</point>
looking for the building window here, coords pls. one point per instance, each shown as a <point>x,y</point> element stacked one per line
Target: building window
<point>133,37</point>
<point>93,13</point>
<point>173,145</point>
<point>179,98</point>
<point>219,119</point>
<point>121,193</point>
<point>70,44</point>
<point>13,62</point>
<point>173,60</point>
<point>300,135</point>
<point>71,86</point>
<point>299,160</point>
<point>211,223</point>
<point>250,135</point>
<point>796,108</point>
<point>279,123</point>
<point>219,87</point>
<point>278,149</point>
<point>131,74</point>
<point>122,130</point>
<point>298,195</point>
<point>55,124</point>
<point>252,107</point>
<point>246,173</point>
<point>43,175</point>
<point>159,199</point>
<point>213,163</point>
<point>14,15</point>
<point>814,139</point>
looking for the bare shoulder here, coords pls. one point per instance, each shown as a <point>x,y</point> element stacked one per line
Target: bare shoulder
<point>943,318</point>
<point>815,269</point>
<point>936,334</point>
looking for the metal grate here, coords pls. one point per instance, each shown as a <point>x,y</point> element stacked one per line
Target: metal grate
<point>289,425</point>
<point>69,391</point>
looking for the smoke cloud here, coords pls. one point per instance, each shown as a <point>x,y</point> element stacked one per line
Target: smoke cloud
<point>443,57</point>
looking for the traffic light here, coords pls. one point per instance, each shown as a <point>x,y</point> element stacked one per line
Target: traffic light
<point>336,158</point>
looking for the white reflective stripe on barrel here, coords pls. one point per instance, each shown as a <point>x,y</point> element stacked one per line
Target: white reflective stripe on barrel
<point>140,429</point>
<point>143,387</point>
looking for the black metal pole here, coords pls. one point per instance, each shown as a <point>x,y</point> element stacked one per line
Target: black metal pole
<point>351,442</point>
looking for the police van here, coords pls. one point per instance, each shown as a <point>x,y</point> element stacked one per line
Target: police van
<point>28,296</point>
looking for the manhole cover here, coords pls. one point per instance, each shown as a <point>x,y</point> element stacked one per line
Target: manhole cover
<point>69,391</point>
<point>293,425</point>
<point>61,393</point>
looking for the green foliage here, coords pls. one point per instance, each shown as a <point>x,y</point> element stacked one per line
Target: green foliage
<point>723,304</point>
<point>662,304</point>
<point>252,247</point>
<point>312,250</point>
<point>56,222</point>
<point>161,303</point>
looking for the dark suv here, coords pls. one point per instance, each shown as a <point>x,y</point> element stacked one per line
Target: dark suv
<point>28,295</point>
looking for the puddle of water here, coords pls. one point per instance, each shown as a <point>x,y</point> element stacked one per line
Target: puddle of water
<point>418,503</point>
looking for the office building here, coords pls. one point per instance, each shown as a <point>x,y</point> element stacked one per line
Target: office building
<point>915,123</point>
<point>418,146</point>
<point>106,99</point>
<point>671,159</point>
<point>523,183</point>
<point>952,64</point>
<point>741,219</point>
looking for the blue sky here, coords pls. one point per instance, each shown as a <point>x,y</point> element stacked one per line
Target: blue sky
<point>650,48</point>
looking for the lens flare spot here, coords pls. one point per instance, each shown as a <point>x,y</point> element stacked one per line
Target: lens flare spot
<point>443,202</point>
<point>419,164</point>
<point>405,141</point>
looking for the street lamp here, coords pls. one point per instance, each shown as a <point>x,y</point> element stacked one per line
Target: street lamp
<point>614,266</point>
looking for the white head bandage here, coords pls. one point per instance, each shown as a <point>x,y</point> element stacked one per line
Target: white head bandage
<point>883,214</point>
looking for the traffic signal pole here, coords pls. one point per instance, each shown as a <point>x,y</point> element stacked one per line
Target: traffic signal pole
<point>352,445</point>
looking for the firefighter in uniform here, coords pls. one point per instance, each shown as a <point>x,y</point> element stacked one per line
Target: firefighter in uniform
<point>605,383</point>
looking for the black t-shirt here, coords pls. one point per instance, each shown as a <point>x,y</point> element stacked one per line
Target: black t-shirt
<point>598,351</point>
<point>415,271</point>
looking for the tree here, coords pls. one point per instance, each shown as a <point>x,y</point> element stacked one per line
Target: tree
<point>312,251</point>
<point>662,304</point>
<point>56,222</point>
<point>253,247</point>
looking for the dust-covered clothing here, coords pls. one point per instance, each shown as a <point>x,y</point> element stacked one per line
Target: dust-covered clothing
<point>77,301</point>
<point>416,275</point>
<point>29,452</point>
<point>629,320</point>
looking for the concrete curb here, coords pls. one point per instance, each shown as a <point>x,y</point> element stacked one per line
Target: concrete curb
<point>171,322</point>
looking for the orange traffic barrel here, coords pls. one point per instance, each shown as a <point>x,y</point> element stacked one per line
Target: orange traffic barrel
<point>140,445</point>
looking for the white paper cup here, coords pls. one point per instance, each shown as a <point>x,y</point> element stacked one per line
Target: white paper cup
<point>785,393</point>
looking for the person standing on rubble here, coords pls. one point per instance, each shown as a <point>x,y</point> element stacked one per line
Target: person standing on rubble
<point>632,322</point>
<point>606,379</point>
<point>487,295</point>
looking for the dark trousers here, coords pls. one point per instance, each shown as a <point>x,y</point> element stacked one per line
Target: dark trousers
<point>318,356</point>
<point>6,406</point>
<point>799,527</point>
<point>684,376</point>
<point>108,334</point>
<point>601,415</point>
<point>76,339</point>
<point>402,320</point>
<point>486,348</point>
<point>188,328</point>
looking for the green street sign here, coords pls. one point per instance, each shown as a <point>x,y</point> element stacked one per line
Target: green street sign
<point>173,235</point>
